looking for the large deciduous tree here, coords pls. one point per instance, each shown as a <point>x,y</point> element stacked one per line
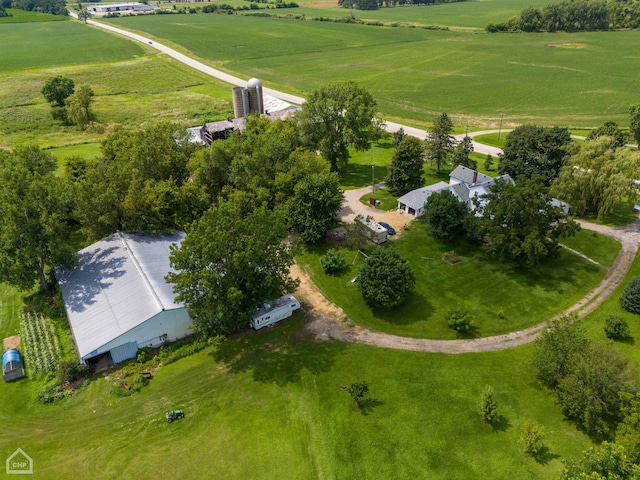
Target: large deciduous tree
<point>336,117</point>
<point>609,129</point>
<point>141,184</point>
<point>57,89</point>
<point>405,172</point>
<point>557,349</point>
<point>229,264</point>
<point>445,214</point>
<point>79,106</point>
<point>386,279</point>
<point>34,207</point>
<point>597,177</point>
<point>532,150</point>
<point>315,203</point>
<point>607,461</point>
<point>521,222</point>
<point>440,143</point>
<point>590,393</point>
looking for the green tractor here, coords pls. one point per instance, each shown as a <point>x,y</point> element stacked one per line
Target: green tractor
<point>174,415</point>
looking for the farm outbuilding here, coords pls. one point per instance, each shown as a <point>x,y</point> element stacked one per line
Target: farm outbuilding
<point>12,367</point>
<point>126,8</point>
<point>117,299</point>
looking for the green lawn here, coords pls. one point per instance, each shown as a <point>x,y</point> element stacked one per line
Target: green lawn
<point>270,406</point>
<point>598,247</point>
<point>84,150</point>
<point>416,74</point>
<point>501,298</point>
<point>594,322</point>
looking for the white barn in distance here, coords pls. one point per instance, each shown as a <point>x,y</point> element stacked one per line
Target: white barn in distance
<point>117,299</point>
<point>127,8</point>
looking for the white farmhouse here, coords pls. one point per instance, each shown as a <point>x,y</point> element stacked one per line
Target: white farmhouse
<point>464,183</point>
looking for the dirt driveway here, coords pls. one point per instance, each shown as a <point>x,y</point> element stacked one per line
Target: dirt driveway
<point>329,322</point>
<point>353,207</point>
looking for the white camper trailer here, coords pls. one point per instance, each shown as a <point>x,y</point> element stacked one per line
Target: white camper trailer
<point>373,230</point>
<point>274,311</point>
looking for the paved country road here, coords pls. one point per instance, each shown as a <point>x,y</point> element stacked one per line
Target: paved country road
<point>225,77</point>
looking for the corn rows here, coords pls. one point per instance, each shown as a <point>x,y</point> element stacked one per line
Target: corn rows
<point>40,343</point>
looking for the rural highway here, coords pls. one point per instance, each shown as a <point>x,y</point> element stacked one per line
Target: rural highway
<point>225,77</point>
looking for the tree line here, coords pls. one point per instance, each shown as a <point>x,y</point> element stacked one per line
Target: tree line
<point>573,16</point>
<point>53,7</point>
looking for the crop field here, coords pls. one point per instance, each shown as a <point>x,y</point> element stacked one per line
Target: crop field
<point>417,74</point>
<point>459,15</point>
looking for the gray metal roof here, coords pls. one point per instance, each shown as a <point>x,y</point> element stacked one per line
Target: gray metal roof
<point>118,284</point>
<point>461,190</point>
<point>417,198</point>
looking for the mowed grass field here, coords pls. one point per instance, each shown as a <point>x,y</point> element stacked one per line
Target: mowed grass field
<point>416,74</point>
<point>501,298</point>
<point>271,406</point>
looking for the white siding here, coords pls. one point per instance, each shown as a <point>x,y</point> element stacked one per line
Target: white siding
<point>175,324</point>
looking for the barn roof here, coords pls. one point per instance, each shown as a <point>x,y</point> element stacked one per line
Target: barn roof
<point>118,284</point>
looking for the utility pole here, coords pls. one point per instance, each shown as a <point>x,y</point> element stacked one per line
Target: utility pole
<point>500,129</point>
<point>373,181</point>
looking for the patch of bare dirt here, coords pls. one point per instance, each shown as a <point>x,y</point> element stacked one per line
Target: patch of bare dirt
<point>11,342</point>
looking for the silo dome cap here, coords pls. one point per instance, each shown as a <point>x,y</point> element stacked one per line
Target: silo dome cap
<point>254,83</point>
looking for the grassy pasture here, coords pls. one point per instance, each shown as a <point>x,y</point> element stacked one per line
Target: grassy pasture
<point>500,297</point>
<point>417,74</point>
<point>133,93</point>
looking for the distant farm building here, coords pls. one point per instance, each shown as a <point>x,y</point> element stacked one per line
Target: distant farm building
<point>274,311</point>
<point>246,100</point>
<point>128,8</point>
<point>117,298</point>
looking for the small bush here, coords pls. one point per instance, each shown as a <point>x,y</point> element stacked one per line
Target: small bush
<point>70,371</point>
<point>531,437</point>
<point>459,320</point>
<point>333,261</point>
<point>616,327</point>
<point>488,407</point>
<point>630,299</point>
<point>358,391</point>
